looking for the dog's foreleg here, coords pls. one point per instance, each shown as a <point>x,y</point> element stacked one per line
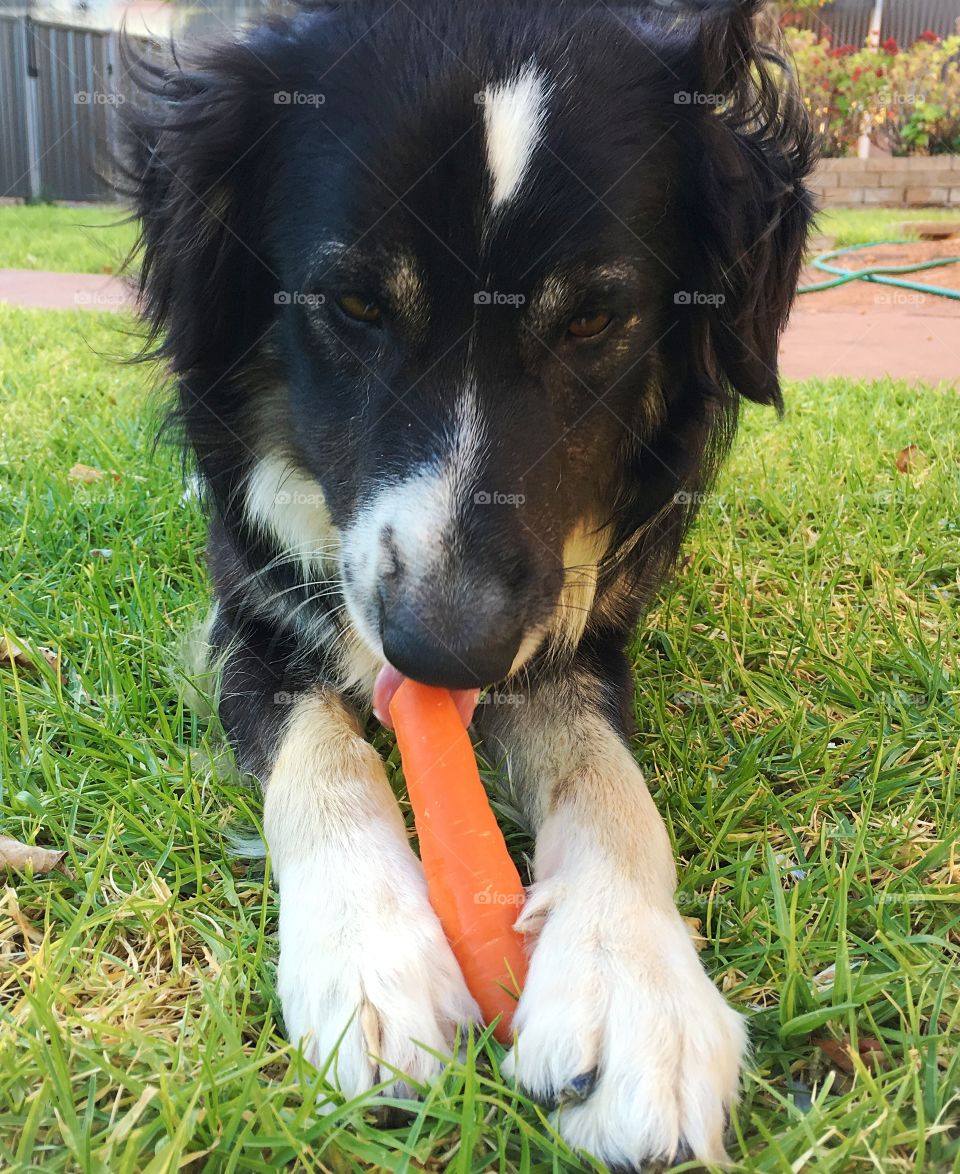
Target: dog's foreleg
<point>618,1023</point>
<point>363,960</point>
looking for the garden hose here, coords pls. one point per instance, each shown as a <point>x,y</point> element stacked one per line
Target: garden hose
<point>879,273</point>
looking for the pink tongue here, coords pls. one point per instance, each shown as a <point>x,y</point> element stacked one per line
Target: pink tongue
<point>389,681</point>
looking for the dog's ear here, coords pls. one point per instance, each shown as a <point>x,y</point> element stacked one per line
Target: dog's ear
<point>749,148</point>
<point>194,144</point>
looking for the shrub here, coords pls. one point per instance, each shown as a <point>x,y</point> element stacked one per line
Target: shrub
<point>908,99</point>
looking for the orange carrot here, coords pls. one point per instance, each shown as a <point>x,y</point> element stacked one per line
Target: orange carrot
<point>473,884</point>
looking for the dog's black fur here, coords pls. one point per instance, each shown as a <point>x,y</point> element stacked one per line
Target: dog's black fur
<point>240,197</point>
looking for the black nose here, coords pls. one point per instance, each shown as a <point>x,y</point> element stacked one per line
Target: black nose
<point>464,652</point>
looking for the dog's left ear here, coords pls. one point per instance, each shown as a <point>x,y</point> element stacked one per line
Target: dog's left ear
<point>193,142</point>
<point>749,151</point>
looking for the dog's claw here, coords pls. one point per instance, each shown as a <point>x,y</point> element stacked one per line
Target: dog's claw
<point>579,1088</point>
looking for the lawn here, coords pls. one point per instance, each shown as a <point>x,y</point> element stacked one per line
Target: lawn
<point>799,717</point>
<point>861,226</point>
<point>87,238</point>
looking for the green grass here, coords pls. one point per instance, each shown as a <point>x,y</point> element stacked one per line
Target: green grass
<point>82,239</point>
<point>860,226</point>
<point>797,700</point>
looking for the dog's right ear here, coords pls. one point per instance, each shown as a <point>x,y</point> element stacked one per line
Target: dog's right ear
<point>194,141</point>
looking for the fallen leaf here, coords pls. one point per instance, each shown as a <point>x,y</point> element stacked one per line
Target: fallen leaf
<point>910,459</point>
<point>86,474</point>
<point>840,1052</point>
<point>19,857</point>
<point>27,658</point>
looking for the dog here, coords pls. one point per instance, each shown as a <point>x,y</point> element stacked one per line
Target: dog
<point>460,302</point>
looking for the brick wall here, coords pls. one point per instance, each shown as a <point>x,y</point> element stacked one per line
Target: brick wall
<point>889,183</point>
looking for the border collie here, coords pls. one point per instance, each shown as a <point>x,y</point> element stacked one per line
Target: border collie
<point>461,300</point>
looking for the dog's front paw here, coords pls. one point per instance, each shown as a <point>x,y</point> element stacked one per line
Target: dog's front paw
<point>622,1030</point>
<point>366,978</point>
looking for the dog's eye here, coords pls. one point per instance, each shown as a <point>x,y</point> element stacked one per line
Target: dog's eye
<point>589,326</point>
<point>358,307</point>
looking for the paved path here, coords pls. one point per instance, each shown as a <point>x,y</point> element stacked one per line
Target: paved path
<point>854,331</point>
<point>64,291</point>
<point>869,345</point>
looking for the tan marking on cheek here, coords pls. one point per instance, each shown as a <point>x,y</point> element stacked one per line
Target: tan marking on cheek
<point>582,552</point>
<point>528,646</point>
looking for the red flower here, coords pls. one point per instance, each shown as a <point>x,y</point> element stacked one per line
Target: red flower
<point>929,36</point>
<point>890,46</point>
<point>878,72</point>
<point>857,74</point>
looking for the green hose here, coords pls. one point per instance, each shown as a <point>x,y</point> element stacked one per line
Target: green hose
<point>879,273</point>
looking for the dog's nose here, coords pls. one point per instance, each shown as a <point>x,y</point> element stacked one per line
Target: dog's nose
<point>454,651</point>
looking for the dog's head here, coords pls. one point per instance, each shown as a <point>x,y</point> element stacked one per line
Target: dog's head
<point>488,281</point>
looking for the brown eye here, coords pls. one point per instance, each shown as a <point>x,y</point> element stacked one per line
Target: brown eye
<point>589,326</point>
<point>358,307</point>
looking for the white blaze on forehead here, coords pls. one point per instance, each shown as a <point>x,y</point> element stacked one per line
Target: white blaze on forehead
<point>514,113</point>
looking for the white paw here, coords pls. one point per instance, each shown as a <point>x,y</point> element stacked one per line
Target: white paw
<point>620,1026</point>
<point>366,977</point>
